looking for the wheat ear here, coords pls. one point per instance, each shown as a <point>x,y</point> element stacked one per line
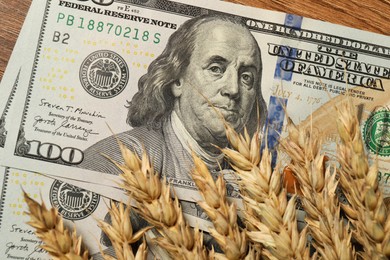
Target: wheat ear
<point>226,231</point>
<point>332,237</point>
<point>359,181</point>
<point>155,204</point>
<point>270,218</point>
<point>57,240</point>
<point>120,233</point>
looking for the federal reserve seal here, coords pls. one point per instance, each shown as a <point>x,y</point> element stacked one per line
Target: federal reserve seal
<point>376,133</point>
<point>104,74</point>
<point>73,203</point>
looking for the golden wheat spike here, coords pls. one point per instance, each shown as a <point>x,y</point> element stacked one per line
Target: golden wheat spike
<point>156,205</point>
<point>121,235</point>
<point>367,211</point>
<point>57,240</point>
<point>226,231</point>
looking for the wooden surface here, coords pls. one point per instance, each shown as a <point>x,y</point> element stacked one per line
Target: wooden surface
<point>370,15</point>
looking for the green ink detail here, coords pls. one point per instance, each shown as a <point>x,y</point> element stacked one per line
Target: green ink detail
<point>376,133</point>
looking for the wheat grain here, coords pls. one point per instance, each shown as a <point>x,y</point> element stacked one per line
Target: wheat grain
<point>120,232</point>
<point>155,205</point>
<point>226,231</point>
<point>269,217</point>
<point>367,211</point>
<point>332,237</point>
<point>57,240</point>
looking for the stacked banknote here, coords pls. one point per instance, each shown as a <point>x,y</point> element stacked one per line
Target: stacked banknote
<point>79,66</point>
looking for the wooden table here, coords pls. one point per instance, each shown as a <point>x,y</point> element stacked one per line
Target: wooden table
<point>370,15</point>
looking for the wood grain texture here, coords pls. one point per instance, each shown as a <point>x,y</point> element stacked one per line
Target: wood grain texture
<point>370,15</point>
<point>12,14</point>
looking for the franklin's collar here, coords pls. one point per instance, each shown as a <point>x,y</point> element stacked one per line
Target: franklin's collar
<point>190,144</point>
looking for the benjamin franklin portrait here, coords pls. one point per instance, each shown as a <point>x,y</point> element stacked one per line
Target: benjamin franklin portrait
<point>210,67</point>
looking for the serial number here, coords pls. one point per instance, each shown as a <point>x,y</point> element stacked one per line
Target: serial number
<point>108,28</point>
<point>384,176</point>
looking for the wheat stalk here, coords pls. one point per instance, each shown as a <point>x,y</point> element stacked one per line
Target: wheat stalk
<point>367,211</point>
<point>120,232</point>
<point>226,231</point>
<point>155,205</point>
<point>58,241</point>
<point>332,237</point>
<point>270,218</point>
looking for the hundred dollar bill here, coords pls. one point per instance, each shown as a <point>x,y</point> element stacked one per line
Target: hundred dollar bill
<point>78,207</point>
<point>18,60</point>
<point>88,125</point>
<point>11,76</point>
<point>146,68</point>
<point>186,190</point>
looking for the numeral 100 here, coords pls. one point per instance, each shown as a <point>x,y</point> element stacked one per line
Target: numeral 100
<point>49,151</point>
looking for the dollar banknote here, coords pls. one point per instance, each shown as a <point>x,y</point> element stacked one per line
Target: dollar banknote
<point>79,208</point>
<point>11,78</point>
<point>106,70</point>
